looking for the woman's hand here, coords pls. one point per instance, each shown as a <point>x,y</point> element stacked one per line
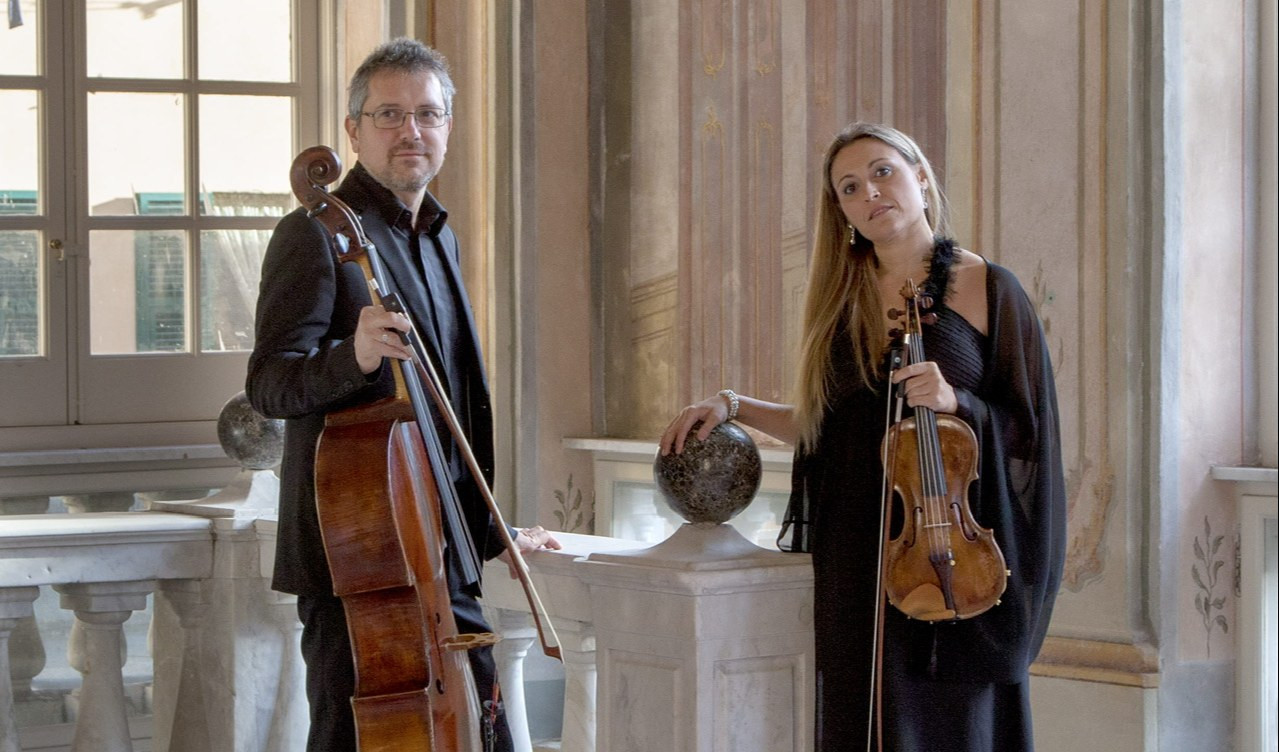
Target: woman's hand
<point>529,539</point>
<point>377,336</point>
<point>925,387</point>
<point>711,412</point>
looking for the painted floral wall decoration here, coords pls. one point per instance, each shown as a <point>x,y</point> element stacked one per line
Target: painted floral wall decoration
<point>1206,572</point>
<point>571,515</point>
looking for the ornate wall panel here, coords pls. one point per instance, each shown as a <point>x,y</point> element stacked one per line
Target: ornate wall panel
<point>714,124</point>
<point>1044,176</point>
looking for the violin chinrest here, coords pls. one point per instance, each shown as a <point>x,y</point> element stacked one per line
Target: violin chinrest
<point>926,603</point>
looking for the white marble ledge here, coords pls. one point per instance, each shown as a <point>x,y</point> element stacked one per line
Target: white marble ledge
<point>555,575</point>
<point>47,549</point>
<point>638,450</point>
<point>63,457</point>
<point>700,560</point>
<point>1259,481</point>
<point>60,472</point>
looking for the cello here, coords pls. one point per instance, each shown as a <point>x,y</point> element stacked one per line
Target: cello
<point>384,500</point>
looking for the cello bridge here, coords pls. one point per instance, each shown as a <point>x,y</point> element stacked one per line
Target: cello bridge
<point>470,641</point>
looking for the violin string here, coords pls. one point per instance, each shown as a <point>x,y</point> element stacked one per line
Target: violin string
<point>925,427</point>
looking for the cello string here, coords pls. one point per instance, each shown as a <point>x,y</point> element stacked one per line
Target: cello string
<point>432,380</point>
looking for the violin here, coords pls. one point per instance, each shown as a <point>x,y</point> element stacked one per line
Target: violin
<point>942,565</point>
<point>384,501</point>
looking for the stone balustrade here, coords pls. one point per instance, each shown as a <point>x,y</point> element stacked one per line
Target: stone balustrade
<point>706,632</point>
<point>103,565</point>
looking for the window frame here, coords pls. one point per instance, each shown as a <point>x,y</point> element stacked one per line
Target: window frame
<point>65,397</point>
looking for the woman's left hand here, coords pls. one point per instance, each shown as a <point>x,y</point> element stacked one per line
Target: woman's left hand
<point>925,387</point>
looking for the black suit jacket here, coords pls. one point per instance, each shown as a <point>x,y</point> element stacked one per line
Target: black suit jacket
<point>303,364</point>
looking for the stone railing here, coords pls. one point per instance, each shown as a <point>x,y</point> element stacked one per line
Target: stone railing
<point>705,631</point>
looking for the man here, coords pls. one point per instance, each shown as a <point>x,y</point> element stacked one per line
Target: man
<point>321,347</point>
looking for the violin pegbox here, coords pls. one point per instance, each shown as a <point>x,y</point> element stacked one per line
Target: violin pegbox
<point>917,302</point>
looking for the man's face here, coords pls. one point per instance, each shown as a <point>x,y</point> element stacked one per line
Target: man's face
<point>405,158</point>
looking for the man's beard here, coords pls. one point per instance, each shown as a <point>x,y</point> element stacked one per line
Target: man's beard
<point>403,178</point>
<point>400,181</point>
<point>408,180</point>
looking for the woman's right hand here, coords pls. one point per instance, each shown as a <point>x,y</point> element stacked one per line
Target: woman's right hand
<point>711,412</point>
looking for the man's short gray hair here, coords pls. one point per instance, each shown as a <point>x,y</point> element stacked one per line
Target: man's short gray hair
<point>403,55</point>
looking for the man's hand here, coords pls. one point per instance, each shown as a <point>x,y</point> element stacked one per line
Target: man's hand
<point>529,539</point>
<point>377,336</point>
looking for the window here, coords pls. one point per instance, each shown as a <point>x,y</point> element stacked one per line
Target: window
<point>144,165</point>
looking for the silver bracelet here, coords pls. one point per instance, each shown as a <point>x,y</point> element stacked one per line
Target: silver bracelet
<point>733,403</point>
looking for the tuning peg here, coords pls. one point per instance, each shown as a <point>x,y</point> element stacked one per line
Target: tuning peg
<point>894,313</point>
<point>925,301</point>
<point>929,318</point>
<point>895,334</point>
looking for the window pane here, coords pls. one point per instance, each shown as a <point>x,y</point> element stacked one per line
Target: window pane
<point>137,291</point>
<point>20,303</point>
<point>130,39</point>
<point>230,266</point>
<point>135,148</point>
<point>269,36</point>
<point>18,52</point>
<point>19,152</point>
<point>246,149</point>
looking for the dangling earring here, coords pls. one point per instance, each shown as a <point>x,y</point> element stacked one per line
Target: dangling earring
<point>852,235</point>
<point>924,193</point>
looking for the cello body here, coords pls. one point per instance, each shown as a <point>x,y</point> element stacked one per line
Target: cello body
<point>382,533</point>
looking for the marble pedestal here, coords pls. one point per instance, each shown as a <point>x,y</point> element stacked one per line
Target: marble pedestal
<point>704,642</point>
<point>228,669</point>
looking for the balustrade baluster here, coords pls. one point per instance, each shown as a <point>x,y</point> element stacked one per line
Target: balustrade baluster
<point>291,719</point>
<point>15,606</point>
<point>578,650</point>
<point>181,707</point>
<point>518,636</point>
<point>101,608</point>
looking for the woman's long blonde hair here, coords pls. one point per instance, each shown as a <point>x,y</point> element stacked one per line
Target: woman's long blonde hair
<point>842,284</point>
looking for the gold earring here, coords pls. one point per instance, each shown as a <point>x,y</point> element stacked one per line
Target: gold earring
<point>852,235</point>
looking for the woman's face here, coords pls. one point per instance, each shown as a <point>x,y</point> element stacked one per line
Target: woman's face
<point>880,193</point>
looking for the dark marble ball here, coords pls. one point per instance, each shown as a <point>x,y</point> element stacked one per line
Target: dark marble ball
<point>257,443</point>
<point>711,480</point>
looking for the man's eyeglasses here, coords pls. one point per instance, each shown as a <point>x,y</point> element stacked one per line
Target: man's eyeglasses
<point>426,117</point>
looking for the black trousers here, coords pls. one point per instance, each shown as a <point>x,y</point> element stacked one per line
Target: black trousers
<point>330,670</point>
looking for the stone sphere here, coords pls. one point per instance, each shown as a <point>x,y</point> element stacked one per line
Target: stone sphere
<point>712,480</point>
<point>257,443</point>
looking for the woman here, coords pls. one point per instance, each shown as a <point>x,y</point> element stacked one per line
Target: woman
<point>954,685</point>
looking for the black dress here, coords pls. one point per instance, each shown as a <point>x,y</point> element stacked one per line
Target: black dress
<point>954,685</point>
